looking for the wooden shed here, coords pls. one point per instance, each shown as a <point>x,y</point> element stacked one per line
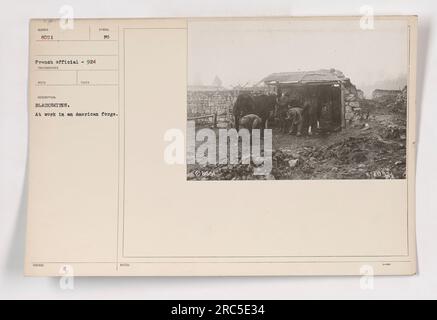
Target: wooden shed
<point>327,88</point>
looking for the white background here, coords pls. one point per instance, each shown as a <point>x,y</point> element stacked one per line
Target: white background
<point>14,16</point>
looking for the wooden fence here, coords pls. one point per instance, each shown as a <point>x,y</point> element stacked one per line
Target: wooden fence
<point>213,120</point>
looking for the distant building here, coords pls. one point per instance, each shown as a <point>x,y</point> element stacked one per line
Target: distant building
<point>379,93</point>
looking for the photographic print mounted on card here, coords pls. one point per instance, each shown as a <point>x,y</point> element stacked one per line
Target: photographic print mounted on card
<point>222,146</point>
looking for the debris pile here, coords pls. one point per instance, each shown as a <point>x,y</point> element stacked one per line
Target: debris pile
<point>400,102</point>
<point>367,157</point>
<point>393,131</point>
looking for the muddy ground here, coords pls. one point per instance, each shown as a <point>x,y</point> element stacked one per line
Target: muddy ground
<point>370,147</point>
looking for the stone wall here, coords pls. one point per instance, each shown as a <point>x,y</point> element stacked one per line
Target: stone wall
<point>209,102</point>
<point>352,97</point>
<point>201,103</point>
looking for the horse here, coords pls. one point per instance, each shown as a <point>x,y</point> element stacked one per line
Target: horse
<point>265,107</point>
<point>311,117</point>
<point>244,105</point>
<point>281,113</point>
<point>262,105</point>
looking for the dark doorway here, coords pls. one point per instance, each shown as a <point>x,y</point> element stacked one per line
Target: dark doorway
<point>330,107</point>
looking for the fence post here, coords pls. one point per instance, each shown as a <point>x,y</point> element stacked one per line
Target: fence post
<point>214,120</point>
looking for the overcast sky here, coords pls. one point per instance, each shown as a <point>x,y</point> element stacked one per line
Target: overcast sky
<point>246,51</point>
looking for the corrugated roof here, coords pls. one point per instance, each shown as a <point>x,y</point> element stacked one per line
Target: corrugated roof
<point>304,77</point>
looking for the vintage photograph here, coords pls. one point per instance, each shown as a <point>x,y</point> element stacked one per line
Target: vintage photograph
<point>319,99</point>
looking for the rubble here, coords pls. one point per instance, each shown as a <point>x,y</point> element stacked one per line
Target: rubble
<point>292,163</point>
<point>399,104</point>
